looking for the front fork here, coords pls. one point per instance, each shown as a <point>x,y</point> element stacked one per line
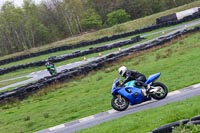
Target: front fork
<point>119,97</point>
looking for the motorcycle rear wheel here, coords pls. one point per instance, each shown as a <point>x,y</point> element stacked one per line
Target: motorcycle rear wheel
<point>163,91</point>
<point>52,72</point>
<point>119,105</point>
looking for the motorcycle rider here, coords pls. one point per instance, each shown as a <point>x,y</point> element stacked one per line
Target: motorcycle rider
<point>49,65</point>
<point>130,75</point>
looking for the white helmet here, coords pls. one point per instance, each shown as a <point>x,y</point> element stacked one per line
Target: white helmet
<point>122,70</point>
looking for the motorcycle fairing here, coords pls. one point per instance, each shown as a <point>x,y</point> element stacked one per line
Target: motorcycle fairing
<point>152,78</point>
<point>134,95</point>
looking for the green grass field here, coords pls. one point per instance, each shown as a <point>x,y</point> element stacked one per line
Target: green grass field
<point>178,62</point>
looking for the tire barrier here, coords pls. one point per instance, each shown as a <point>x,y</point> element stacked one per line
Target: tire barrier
<point>195,118</point>
<point>168,128</point>
<point>68,74</point>
<point>194,122</point>
<point>103,39</point>
<point>72,55</point>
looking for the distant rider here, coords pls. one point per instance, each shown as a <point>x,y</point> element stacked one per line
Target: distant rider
<point>131,75</point>
<point>50,67</point>
<point>49,63</point>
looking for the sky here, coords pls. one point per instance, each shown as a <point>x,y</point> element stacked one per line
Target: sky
<point>17,2</point>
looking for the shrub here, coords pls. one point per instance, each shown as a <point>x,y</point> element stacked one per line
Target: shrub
<point>117,17</point>
<point>91,20</point>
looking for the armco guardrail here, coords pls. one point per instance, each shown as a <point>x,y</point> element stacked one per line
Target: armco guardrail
<point>101,40</point>
<point>65,75</point>
<point>72,55</point>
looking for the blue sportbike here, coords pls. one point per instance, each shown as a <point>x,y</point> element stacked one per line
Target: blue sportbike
<point>131,94</point>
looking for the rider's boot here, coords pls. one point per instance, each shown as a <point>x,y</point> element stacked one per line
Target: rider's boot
<point>144,92</point>
<point>146,89</point>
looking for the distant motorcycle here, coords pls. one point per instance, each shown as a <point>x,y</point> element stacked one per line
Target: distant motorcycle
<point>125,95</point>
<point>51,68</point>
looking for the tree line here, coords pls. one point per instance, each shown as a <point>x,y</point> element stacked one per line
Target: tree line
<point>32,25</point>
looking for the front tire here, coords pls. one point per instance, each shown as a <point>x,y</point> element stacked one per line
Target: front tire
<point>162,93</point>
<point>119,103</point>
<point>51,72</point>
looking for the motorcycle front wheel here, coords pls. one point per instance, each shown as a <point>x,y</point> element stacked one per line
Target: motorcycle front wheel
<point>51,72</point>
<point>162,93</point>
<point>119,103</point>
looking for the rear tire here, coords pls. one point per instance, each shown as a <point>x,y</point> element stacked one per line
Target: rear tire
<point>119,105</point>
<point>163,91</point>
